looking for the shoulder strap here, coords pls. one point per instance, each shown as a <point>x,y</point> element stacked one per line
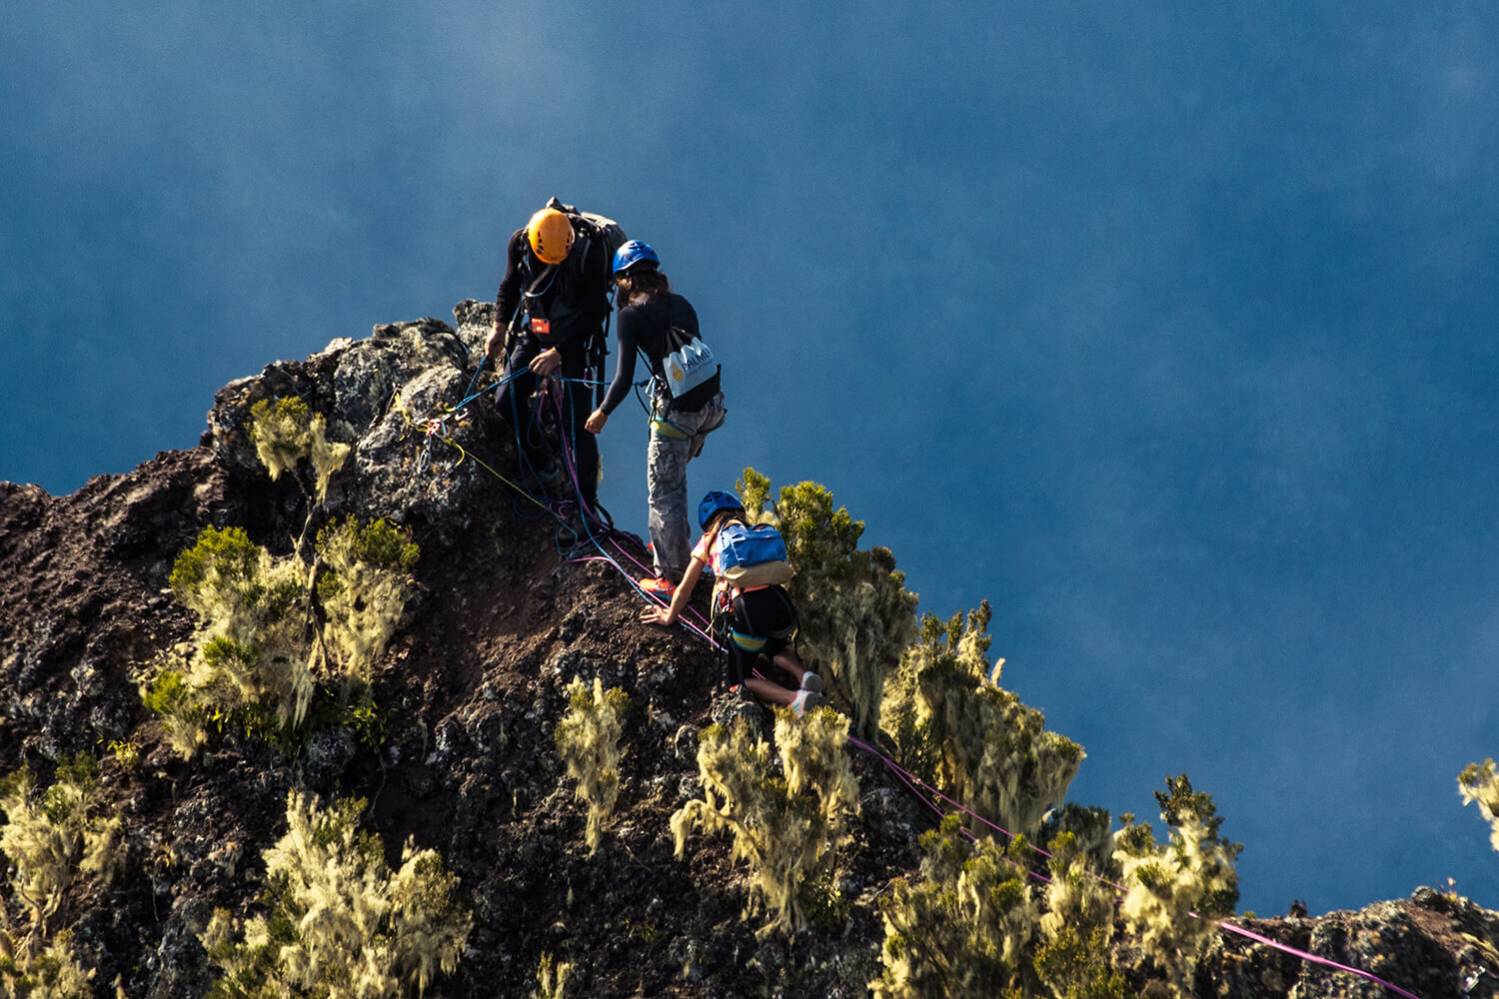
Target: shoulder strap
<point>676,336</point>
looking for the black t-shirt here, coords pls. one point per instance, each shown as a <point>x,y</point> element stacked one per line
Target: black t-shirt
<point>644,327</point>
<point>572,297</point>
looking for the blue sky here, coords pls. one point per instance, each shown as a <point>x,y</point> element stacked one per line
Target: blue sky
<point>1170,330</point>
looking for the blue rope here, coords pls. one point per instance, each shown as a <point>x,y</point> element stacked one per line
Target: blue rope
<point>477,372</point>
<point>471,396</point>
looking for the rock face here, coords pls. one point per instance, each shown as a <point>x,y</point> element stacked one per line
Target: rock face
<point>471,690</point>
<point>372,391</point>
<point>1430,944</point>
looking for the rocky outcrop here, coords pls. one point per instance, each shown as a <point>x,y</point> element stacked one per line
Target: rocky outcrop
<point>470,691</point>
<point>373,392</point>
<point>1432,944</point>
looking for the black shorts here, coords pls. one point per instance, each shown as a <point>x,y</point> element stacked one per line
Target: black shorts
<point>760,623</point>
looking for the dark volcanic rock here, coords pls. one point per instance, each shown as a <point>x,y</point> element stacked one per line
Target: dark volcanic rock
<point>1432,944</point>
<point>470,691</point>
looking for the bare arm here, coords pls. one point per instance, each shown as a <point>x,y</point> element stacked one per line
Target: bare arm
<point>684,591</point>
<point>669,615</point>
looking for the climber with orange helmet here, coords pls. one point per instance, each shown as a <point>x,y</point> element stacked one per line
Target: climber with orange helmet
<point>550,313</point>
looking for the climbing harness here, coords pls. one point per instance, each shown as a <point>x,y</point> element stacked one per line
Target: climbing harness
<point>666,428</point>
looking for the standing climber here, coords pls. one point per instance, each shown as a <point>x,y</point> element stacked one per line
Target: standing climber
<point>550,314</point>
<point>759,618</point>
<point>686,403</point>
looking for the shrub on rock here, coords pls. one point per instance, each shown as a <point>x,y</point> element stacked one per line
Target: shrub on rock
<point>1175,891</point>
<point>338,921</point>
<point>783,826</point>
<point>963,928</point>
<point>949,717</point>
<point>587,739</point>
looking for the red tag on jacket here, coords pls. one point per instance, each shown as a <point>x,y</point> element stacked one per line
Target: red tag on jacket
<point>540,326</point>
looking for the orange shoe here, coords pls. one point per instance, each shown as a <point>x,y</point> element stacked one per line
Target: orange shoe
<point>663,588</point>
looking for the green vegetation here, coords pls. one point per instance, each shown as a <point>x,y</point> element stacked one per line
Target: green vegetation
<point>41,972</point>
<point>1077,965</point>
<point>51,837</point>
<point>1087,831</point>
<point>337,920</point>
<point>950,718</point>
<point>551,978</point>
<point>285,432</point>
<point>783,826</point>
<point>964,928</point>
<point>1074,959</point>
<point>274,632</point>
<point>1479,784</point>
<point>364,718</point>
<point>249,656</point>
<point>362,590</point>
<point>587,739</point>
<point>247,664</point>
<point>267,637</point>
<point>1169,886</point>
<point>126,752</point>
<point>969,926</point>
<point>856,614</point>
<point>281,433</point>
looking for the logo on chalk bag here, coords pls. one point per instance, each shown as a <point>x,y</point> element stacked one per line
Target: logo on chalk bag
<point>540,326</point>
<point>689,367</point>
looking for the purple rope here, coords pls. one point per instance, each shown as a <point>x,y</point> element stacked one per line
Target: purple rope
<point>913,782</point>
<point>642,567</point>
<point>1229,927</point>
<point>653,598</point>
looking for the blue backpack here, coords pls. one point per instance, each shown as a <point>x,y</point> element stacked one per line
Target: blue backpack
<point>753,556</point>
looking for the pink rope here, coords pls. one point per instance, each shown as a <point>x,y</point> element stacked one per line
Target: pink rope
<point>1229,927</point>
<point>697,615</point>
<point>913,782</point>
<point>653,598</point>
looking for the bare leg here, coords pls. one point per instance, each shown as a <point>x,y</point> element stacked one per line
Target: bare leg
<point>787,660</point>
<point>772,692</point>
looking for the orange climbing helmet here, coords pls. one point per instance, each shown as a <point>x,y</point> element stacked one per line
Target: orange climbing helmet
<point>551,235</point>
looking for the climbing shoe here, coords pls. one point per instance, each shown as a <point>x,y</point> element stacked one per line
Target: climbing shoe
<point>805,701</point>
<point>811,681</point>
<point>663,588</point>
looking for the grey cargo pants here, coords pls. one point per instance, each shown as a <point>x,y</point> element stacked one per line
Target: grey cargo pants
<point>676,438</point>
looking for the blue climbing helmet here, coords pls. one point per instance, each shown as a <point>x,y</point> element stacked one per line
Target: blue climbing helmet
<point>714,502</point>
<point>635,254</point>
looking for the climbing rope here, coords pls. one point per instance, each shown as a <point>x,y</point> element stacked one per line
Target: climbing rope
<point>591,517</point>
<point>922,789</point>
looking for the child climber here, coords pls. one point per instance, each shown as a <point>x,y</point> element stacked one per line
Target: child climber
<point>761,618</point>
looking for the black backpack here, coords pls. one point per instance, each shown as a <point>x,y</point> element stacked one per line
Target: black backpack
<point>592,233</point>
<point>592,228</point>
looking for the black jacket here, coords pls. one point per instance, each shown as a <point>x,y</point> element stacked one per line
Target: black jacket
<point>571,297</point>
